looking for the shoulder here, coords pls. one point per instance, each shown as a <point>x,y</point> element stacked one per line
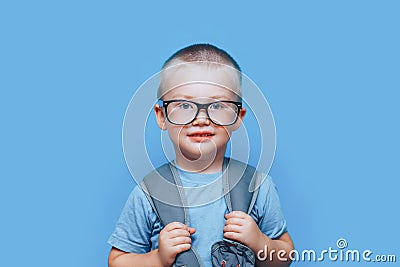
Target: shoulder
<point>137,195</point>
<point>267,198</point>
<point>267,209</point>
<point>265,184</point>
<point>138,203</point>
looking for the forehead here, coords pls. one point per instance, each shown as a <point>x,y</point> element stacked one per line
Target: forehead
<point>195,80</point>
<point>201,91</point>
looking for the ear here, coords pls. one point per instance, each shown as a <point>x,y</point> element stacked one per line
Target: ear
<point>241,115</point>
<point>160,116</point>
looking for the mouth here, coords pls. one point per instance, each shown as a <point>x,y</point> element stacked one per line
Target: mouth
<point>200,136</point>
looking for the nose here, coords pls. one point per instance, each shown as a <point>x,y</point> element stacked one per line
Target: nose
<point>201,118</point>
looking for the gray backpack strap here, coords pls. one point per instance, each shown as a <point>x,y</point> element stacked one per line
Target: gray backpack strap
<point>240,181</point>
<point>154,185</point>
<point>240,190</point>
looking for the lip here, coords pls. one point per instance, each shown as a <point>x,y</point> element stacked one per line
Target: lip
<point>200,136</point>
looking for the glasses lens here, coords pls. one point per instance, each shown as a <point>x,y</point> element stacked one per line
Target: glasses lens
<point>223,113</point>
<point>181,112</point>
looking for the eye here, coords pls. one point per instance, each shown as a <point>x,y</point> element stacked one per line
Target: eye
<point>185,105</point>
<point>217,106</point>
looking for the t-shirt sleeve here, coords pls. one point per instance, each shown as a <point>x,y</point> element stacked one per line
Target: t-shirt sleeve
<point>134,227</point>
<point>267,210</point>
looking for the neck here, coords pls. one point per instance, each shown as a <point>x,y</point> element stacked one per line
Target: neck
<point>202,165</point>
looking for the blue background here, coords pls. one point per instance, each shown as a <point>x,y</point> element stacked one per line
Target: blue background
<point>329,69</point>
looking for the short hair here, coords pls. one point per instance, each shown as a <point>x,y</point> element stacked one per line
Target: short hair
<point>205,53</point>
<point>202,53</point>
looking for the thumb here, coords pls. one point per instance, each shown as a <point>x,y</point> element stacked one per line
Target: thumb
<point>192,230</point>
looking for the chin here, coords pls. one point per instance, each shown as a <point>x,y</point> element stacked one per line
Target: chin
<point>200,150</point>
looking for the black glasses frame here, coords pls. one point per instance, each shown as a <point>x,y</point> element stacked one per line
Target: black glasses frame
<point>202,106</point>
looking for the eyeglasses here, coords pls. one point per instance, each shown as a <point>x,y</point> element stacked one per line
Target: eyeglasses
<point>182,112</point>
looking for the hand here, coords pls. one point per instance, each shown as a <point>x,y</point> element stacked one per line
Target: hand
<point>173,239</point>
<point>241,227</point>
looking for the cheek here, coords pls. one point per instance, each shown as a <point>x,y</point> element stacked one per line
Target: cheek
<point>224,133</point>
<point>175,133</point>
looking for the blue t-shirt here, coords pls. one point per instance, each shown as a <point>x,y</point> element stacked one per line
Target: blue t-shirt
<point>138,227</point>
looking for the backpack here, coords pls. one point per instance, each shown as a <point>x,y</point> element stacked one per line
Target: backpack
<point>239,184</point>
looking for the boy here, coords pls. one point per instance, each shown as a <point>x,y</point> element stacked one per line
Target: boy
<point>201,95</point>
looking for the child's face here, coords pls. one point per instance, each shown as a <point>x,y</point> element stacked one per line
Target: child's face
<point>200,138</point>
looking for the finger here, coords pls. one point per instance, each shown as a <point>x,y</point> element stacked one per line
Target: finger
<point>180,240</point>
<point>233,236</point>
<point>234,220</point>
<point>178,232</point>
<point>182,247</point>
<point>233,228</point>
<point>176,225</point>
<point>236,214</point>
<point>192,230</point>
